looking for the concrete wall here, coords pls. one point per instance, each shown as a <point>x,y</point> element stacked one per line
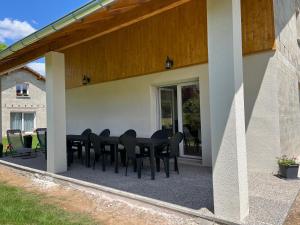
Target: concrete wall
<point>287,69</point>
<point>36,102</point>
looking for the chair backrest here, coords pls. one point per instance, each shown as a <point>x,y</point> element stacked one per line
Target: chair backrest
<point>160,134</point>
<point>14,138</point>
<point>42,137</point>
<point>129,142</point>
<point>174,144</point>
<point>105,133</point>
<point>86,132</point>
<point>130,133</point>
<point>95,141</point>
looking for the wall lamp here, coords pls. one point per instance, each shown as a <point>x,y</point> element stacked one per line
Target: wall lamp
<point>169,63</point>
<point>86,80</point>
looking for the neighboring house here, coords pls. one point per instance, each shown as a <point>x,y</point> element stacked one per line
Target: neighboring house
<point>23,100</point>
<point>223,72</point>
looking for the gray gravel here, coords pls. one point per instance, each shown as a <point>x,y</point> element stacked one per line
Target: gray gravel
<point>270,197</point>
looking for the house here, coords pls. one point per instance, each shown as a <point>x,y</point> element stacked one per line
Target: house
<point>226,73</point>
<point>23,100</point>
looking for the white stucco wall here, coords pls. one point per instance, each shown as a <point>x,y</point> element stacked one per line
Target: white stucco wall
<point>132,103</point>
<point>36,102</point>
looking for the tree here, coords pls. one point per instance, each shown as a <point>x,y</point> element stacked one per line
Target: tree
<point>2,46</point>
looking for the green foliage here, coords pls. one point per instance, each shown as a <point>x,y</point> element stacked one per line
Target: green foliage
<point>286,161</point>
<point>2,46</point>
<point>18,207</point>
<point>191,112</point>
<point>34,142</point>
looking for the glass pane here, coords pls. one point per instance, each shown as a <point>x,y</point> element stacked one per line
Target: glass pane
<point>28,122</point>
<point>191,120</point>
<point>16,121</point>
<point>168,109</point>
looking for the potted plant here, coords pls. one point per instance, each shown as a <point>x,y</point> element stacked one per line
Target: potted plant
<point>288,167</point>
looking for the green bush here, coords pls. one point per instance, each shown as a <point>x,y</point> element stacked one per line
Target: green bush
<point>286,161</point>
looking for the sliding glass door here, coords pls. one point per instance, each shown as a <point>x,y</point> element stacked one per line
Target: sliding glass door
<point>180,111</point>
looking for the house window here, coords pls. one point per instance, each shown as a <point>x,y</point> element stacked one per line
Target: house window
<point>22,121</point>
<point>22,89</point>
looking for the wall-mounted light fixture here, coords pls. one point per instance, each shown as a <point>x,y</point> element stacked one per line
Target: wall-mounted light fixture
<point>169,63</point>
<point>86,80</point>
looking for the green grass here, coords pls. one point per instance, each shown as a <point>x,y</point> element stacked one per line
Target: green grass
<point>34,142</point>
<point>18,207</point>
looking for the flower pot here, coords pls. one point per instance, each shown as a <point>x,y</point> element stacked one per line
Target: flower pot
<point>289,172</point>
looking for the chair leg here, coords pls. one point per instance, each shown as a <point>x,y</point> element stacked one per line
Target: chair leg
<point>94,164</point>
<point>126,167</point>
<point>139,167</point>
<point>176,165</point>
<point>135,165</point>
<point>79,152</point>
<point>103,161</point>
<point>166,166</point>
<point>157,164</point>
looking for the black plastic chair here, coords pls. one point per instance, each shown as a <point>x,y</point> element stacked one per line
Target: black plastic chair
<point>99,151</point>
<point>172,151</point>
<point>160,134</point>
<point>16,145</point>
<point>129,142</point>
<point>106,133</point>
<point>42,138</point>
<point>77,145</point>
<point>121,148</point>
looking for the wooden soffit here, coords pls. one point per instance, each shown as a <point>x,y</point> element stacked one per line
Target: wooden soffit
<point>119,14</point>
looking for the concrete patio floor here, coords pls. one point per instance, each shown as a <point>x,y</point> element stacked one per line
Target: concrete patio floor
<point>270,197</point>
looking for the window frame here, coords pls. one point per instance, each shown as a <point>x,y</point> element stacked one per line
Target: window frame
<point>22,113</point>
<point>22,85</point>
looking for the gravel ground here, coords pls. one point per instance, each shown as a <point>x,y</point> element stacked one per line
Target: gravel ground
<point>104,208</point>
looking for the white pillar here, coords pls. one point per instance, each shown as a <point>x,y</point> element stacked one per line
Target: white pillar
<point>56,113</point>
<point>1,125</point>
<point>230,181</point>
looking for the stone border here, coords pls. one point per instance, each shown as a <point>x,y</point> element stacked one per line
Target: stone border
<point>154,202</point>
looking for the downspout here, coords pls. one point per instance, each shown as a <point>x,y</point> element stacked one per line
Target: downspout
<point>55,26</point>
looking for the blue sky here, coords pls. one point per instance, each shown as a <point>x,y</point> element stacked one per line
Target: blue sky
<point>19,18</point>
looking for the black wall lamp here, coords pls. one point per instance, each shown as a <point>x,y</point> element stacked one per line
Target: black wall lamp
<point>169,63</point>
<point>86,80</point>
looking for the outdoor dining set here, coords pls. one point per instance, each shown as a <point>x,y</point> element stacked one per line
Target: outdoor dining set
<point>131,149</point>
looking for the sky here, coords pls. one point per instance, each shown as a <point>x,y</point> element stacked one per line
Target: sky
<point>19,18</point>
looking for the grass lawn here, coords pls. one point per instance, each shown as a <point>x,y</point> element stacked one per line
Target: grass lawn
<point>18,207</point>
<point>34,142</point>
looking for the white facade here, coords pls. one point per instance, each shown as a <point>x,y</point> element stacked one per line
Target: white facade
<point>33,104</point>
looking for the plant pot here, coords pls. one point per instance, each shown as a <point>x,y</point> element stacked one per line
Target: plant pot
<point>289,172</point>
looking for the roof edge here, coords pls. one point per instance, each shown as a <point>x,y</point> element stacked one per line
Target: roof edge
<point>59,24</point>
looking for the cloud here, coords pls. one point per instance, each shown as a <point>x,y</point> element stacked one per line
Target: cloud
<point>38,67</point>
<point>13,30</point>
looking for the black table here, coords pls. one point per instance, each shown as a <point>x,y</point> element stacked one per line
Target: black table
<point>145,142</point>
<point>85,141</point>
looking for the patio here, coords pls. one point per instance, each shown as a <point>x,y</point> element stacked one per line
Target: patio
<point>196,193</point>
<point>270,198</point>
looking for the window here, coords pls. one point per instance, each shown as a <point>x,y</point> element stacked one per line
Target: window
<point>22,89</point>
<point>22,121</point>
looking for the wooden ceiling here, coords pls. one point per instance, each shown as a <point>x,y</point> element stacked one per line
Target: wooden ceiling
<point>117,15</point>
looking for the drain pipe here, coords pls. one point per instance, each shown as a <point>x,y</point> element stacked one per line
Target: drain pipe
<point>55,26</point>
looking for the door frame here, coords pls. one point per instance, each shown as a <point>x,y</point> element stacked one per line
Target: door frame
<point>179,86</point>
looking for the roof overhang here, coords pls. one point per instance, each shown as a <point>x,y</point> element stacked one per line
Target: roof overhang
<point>93,20</point>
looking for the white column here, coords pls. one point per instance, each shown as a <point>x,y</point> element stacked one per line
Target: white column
<point>1,125</point>
<point>56,113</point>
<point>230,181</point>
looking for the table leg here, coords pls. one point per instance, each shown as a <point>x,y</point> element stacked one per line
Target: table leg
<point>152,165</point>
<point>116,158</point>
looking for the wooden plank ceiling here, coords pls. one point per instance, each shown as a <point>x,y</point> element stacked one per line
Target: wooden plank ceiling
<point>119,14</point>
